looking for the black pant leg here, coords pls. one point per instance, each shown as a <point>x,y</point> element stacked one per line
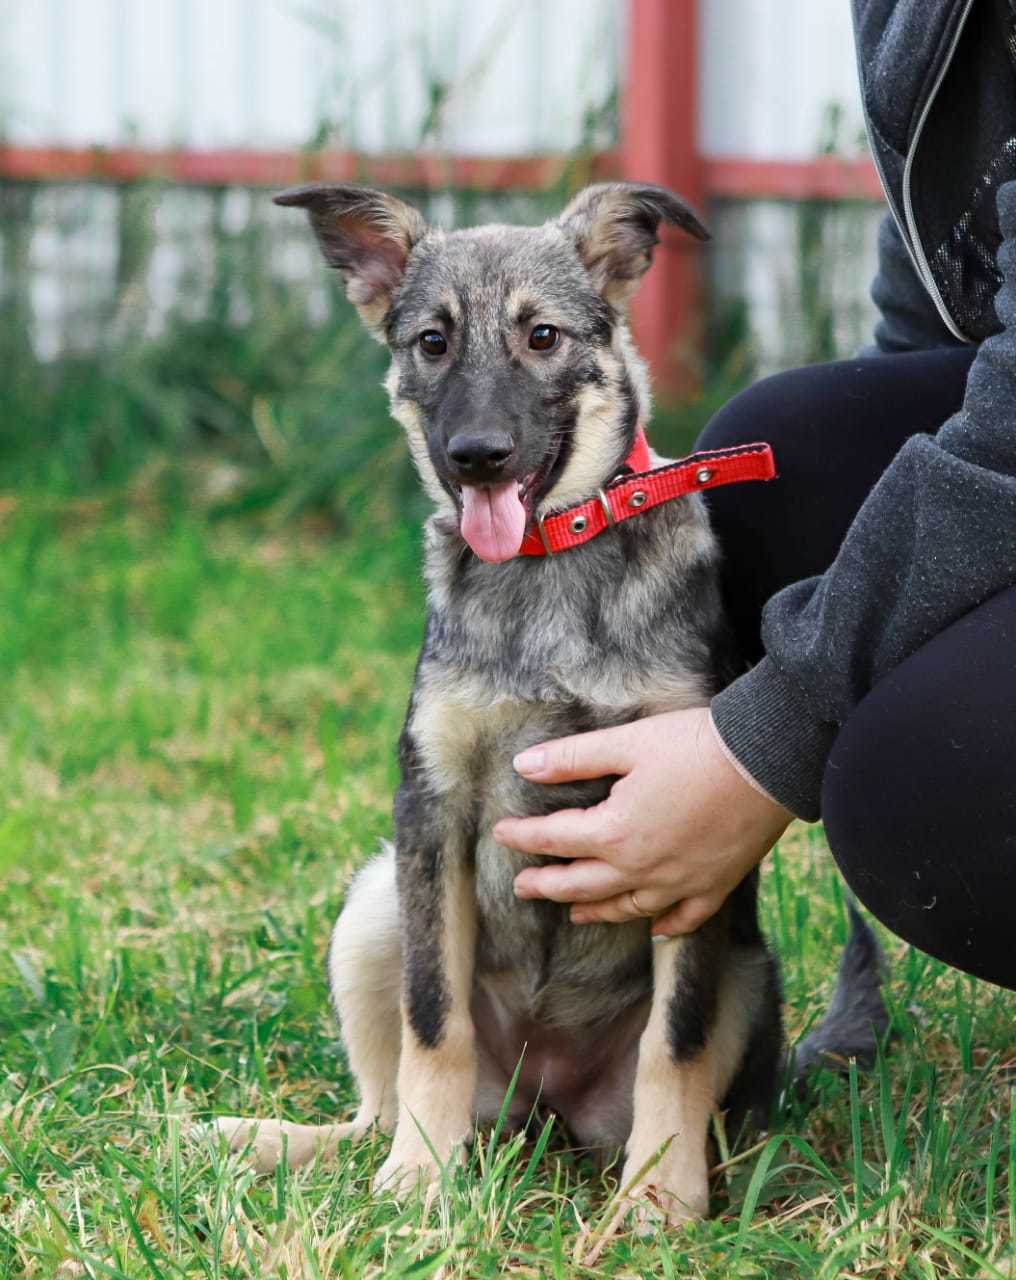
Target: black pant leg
<point>834,429</point>
<point>919,798</point>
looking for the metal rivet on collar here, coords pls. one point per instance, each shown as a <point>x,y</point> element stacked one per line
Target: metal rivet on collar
<point>704,474</point>
<point>638,498</point>
<point>578,524</point>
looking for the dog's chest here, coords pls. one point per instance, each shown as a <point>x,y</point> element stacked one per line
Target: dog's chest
<point>620,627</point>
<point>520,652</point>
<point>521,657</point>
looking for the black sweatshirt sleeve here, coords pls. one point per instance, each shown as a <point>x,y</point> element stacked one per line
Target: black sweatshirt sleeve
<point>936,537</point>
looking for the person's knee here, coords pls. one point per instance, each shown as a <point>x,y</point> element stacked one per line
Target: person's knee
<point>851,812</point>
<point>919,820</point>
<point>760,411</point>
<point>884,818</point>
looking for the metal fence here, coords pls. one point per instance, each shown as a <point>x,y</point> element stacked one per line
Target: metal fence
<point>84,262</point>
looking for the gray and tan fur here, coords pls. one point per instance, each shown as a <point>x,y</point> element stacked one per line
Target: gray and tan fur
<point>440,976</point>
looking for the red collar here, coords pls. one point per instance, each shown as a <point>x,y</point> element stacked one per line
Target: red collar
<point>630,494</point>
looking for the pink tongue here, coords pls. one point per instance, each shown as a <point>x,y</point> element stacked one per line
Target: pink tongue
<point>493,520</point>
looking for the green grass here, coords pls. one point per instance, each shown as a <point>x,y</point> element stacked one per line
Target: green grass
<point>197,728</point>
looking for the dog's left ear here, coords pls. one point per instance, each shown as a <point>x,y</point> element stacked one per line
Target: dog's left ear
<point>614,226</point>
<point>367,235</point>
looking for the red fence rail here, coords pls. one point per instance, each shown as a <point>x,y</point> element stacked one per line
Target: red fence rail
<point>426,170</point>
<point>724,177</point>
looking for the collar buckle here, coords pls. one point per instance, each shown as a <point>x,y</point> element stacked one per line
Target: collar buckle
<point>543,534</point>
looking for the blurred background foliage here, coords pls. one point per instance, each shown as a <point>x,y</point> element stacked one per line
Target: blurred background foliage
<point>242,403</point>
<point>241,380</point>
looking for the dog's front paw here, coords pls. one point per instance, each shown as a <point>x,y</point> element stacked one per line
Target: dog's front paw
<point>672,1191</point>
<point>411,1167</point>
<point>400,1177</point>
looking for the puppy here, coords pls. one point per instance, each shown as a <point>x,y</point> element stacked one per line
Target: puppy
<point>523,399</point>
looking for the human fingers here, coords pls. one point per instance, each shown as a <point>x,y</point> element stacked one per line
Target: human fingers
<point>568,833</point>
<point>581,755</point>
<point>686,917</point>
<point>639,905</point>
<point>584,880</point>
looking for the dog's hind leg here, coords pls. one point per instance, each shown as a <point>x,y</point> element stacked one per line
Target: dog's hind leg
<point>437,1079</point>
<point>364,960</point>
<point>364,975</point>
<point>691,1047</point>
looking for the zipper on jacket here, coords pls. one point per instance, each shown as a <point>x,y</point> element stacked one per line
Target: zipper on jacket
<point>911,238</point>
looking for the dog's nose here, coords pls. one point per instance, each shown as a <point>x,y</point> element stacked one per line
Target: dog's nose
<point>480,455</point>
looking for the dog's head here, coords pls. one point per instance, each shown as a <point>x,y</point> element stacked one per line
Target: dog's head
<point>513,372</point>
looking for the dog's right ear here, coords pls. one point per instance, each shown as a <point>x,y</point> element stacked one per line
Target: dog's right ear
<point>614,226</point>
<point>366,235</point>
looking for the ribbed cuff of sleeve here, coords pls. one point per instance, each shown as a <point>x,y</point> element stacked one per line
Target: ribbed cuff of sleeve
<point>766,725</point>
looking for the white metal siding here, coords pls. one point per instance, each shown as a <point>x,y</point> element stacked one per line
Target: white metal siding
<point>524,74</point>
<point>521,75</point>
<point>771,70</point>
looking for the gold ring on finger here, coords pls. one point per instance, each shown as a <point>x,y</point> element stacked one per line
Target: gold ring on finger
<point>639,911</point>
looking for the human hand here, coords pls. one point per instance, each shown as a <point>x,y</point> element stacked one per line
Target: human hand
<point>680,826</point>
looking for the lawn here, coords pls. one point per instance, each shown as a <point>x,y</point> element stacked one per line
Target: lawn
<point>197,728</point>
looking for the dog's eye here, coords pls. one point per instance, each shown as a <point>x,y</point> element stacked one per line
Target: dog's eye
<point>544,337</point>
<point>433,343</point>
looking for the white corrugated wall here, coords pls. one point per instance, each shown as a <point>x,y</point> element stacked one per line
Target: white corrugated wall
<point>521,75</point>
<point>779,81</point>
<point>503,76</point>
<point>771,71</point>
